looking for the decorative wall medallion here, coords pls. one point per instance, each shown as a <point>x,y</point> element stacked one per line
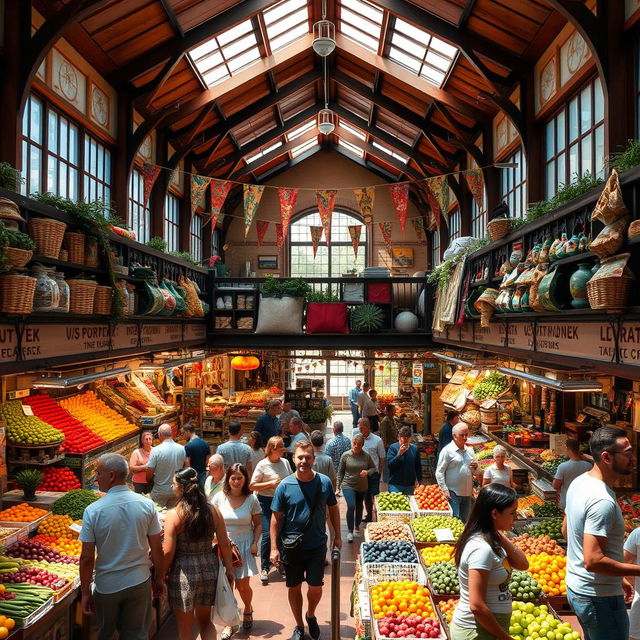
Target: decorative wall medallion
<point>68,79</point>
<point>576,52</point>
<point>100,106</point>
<point>548,81</point>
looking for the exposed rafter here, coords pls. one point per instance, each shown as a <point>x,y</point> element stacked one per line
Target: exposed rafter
<point>148,92</point>
<point>468,144</point>
<point>175,24</point>
<point>369,166</point>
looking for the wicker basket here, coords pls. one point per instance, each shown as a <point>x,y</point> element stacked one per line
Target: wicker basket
<point>63,256</point>
<point>489,416</point>
<point>377,572</point>
<point>48,235</point>
<point>82,294</point>
<point>498,228</point>
<point>418,512</point>
<point>102,301</point>
<point>9,210</point>
<point>486,314</point>
<point>609,293</point>
<point>18,258</point>
<point>16,293</point>
<point>75,246</point>
<point>405,528</point>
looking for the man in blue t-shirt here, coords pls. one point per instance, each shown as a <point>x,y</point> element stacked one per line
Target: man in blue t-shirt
<point>268,424</point>
<point>297,497</point>
<point>198,452</point>
<point>405,468</point>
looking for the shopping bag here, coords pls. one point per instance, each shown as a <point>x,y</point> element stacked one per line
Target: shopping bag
<point>225,611</point>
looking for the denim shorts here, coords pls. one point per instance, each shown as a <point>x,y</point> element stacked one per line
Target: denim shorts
<point>601,617</point>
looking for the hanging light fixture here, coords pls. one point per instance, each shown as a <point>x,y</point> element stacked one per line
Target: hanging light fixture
<point>245,363</point>
<point>324,34</point>
<point>325,116</point>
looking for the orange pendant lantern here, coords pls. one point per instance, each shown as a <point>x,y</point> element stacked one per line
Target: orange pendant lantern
<point>245,363</point>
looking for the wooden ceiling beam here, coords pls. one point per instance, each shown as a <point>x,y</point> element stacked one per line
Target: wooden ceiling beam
<point>369,166</point>
<point>175,24</point>
<point>197,124</point>
<point>468,144</point>
<point>466,12</point>
<point>148,92</point>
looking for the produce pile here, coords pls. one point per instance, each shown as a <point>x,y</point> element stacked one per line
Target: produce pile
<point>525,505</point>
<point>551,528</point>
<point>423,528</point>
<point>21,513</point>
<point>437,553</point>
<point>630,507</point>
<point>549,571</point>
<point>430,498</point>
<point>389,530</point>
<point>444,578</point>
<point>447,607</point>
<point>546,510</point>
<point>530,621</point>
<point>74,503</point>
<point>393,502</point>
<point>523,586</point>
<point>491,386</point>
<point>542,544</point>
<point>408,627</point>
<point>57,526</point>
<point>78,437</point>
<point>66,546</point>
<point>389,552</point>
<point>27,430</point>
<point>59,479</point>
<point>26,599</point>
<point>30,550</point>
<point>551,466</point>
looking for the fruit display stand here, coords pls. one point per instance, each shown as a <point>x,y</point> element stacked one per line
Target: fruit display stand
<point>30,526</point>
<point>12,533</point>
<point>34,455</point>
<point>381,531</point>
<point>43,499</point>
<point>387,514</point>
<point>417,512</point>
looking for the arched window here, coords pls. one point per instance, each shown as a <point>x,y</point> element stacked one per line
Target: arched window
<point>331,261</point>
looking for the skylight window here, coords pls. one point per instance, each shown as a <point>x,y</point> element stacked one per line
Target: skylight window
<point>361,22</point>
<point>263,152</point>
<point>227,53</point>
<point>421,53</point>
<point>351,147</point>
<point>352,130</point>
<point>389,152</point>
<point>286,21</point>
<point>305,146</point>
<point>298,131</point>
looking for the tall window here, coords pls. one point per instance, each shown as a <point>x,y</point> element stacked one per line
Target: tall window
<point>215,242</point>
<point>331,261</point>
<point>139,215</point>
<point>96,170</point>
<point>196,238</point>
<point>513,183</point>
<point>32,145</point>
<point>62,156</point>
<point>478,219</point>
<point>172,222</point>
<point>454,224</point>
<point>575,139</point>
<point>435,248</point>
<point>386,380</point>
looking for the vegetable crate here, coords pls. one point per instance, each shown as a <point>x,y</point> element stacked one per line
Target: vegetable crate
<point>418,512</point>
<point>403,516</point>
<point>34,616</point>
<point>377,572</point>
<point>13,533</point>
<point>438,597</point>
<point>30,526</point>
<point>403,527</point>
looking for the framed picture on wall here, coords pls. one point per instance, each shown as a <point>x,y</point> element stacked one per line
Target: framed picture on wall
<point>402,256</point>
<point>267,262</point>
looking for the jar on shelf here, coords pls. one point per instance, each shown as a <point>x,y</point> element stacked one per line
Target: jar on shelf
<point>65,294</point>
<point>123,292</point>
<point>133,299</point>
<point>47,294</point>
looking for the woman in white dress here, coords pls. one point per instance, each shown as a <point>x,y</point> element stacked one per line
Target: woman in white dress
<point>242,516</point>
<point>499,471</point>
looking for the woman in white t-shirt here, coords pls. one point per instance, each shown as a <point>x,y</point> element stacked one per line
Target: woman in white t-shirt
<point>499,471</point>
<point>485,558</point>
<point>632,555</point>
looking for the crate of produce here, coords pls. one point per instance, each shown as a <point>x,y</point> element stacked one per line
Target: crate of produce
<point>30,526</point>
<point>377,572</point>
<point>424,529</point>
<point>393,506</point>
<point>12,533</point>
<point>418,512</point>
<point>445,609</point>
<point>36,613</point>
<point>389,551</point>
<point>442,552</point>
<point>442,580</point>
<point>388,530</point>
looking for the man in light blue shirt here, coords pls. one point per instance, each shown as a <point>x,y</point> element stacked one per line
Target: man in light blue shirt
<point>297,432</point>
<point>165,459</point>
<point>122,527</point>
<point>337,445</point>
<point>354,394</point>
<point>233,451</point>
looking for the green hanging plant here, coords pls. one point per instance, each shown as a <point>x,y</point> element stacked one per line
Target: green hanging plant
<point>184,255</point>
<point>157,243</point>
<point>367,318</point>
<point>10,178</point>
<point>627,159</point>
<point>322,296</point>
<point>277,287</point>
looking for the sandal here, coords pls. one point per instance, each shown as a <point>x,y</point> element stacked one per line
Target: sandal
<point>226,634</point>
<point>247,620</point>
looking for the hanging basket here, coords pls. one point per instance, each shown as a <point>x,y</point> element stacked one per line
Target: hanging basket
<point>18,258</point>
<point>498,228</point>
<point>82,294</point>
<point>75,246</point>
<point>16,293</point>
<point>102,300</point>
<point>48,235</point>
<point>609,293</point>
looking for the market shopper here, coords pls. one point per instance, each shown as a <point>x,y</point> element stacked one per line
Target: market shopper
<point>354,470</point>
<point>389,426</point>
<point>363,397</point>
<point>484,557</point>
<point>257,448</point>
<point>213,483</point>
<point>354,394</point>
<point>242,516</point>
<point>498,471</point>
<point>568,471</point>
<point>375,448</point>
<point>233,450</point>
<point>322,463</point>
<point>372,409</point>
<point>287,414</point>
<point>454,474</point>
<point>165,459</point>
<point>268,424</point>
<point>138,463</point>
<point>594,528</point>
<point>632,556</point>
<point>445,435</point>
<point>121,539</point>
<point>190,565</point>
<point>337,445</point>
<point>297,433</point>
<point>403,460</point>
<point>299,507</point>
<point>198,452</point>
<point>268,474</point>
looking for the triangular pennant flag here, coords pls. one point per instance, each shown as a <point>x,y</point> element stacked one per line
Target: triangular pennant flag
<point>261,228</point>
<point>354,231</point>
<point>475,181</point>
<point>316,236</point>
<point>198,185</point>
<point>386,228</point>
<point>433,204</point>
<point>150,173</point>
<point>279,236</point>
<point>418,227</point>
<point>252,195</point>
<point>326,201</point>
<point>400,199</point>
<point>440,188</point>
<point>287,199</point>
<point>219,191</point>
<point>365,198</point>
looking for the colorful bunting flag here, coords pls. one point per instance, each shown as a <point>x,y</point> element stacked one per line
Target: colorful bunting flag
<point>365,198</point>
<point>354,231</point>
<point>326,201</point>
<point>252,195</point>
<point>475,181</point>
<point>386,228</point>
<point>261,228</point>
<point>440,188</point>
<point>287,199</point>
<point>433,204</point>
<point>400,199</point>
<point>150,173</point>
<point>316,236</point>
<point>418,227</point>
<point>198,185</point>
<point>279,236</point>
<point>219,191</point>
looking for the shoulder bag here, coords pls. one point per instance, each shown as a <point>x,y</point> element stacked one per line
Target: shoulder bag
<point>292,541</point>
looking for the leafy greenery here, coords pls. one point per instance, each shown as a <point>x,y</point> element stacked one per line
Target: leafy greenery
<point>28,479</point>
<point>184,255</point>
<point>441,275</point>
<point>4,243</point>
<point>322,296</point>
<point>318,415</point>
<point>19,240</point>
<point>627,159</point>
<point>277,287</point>
<point>10,178</point>
<point>157,243</point>
<point>367,318</point>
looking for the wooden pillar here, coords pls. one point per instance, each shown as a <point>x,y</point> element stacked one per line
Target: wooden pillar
<point>121,168</point>
<point>465,201</point>
<point>160,187</point>
<point>185,211</point>
<point>534,149</point>
<point>491,174</point>
<point>207,233</point>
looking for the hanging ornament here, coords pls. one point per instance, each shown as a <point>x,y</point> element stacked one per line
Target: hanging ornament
<point>198,185</point>
<point>381,367</point>
<point>279,236</point>
<point>326,199</point>
<point>418,227</point>
<point>150,173</point>
<point>261,228</point>
<point>316,236</point>
<point>299,369</point>
<point>440,188</point>
<point>475,182</point>
<point>287,199</point>
<point>386,229</point>
<point>354,232</point>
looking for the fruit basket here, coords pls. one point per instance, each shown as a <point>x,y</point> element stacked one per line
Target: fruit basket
<point>442,580</point>
<point>393,529</point>
<point>389,551</point>
<point>417,512</point>
<point>29,527</point>
<point>384,514</point>
<point>377,572</point>
<point>12,533</point>
<point>34,616</point>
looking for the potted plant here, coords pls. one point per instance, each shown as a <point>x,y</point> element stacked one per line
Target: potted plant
<point>20,248</point>
<point>366,318</point>
<point>10,178</point>
<point>317,418</point>
<point>282,305</point>
<point>325,313</point>
<point>29,480</point>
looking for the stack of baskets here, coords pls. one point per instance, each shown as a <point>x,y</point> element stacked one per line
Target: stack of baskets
<point>16,293</point>
<point>102,300</point>
<point>82,295</point>
<point>48,235</point>
<point>498,228</point>
<point>74,243</point>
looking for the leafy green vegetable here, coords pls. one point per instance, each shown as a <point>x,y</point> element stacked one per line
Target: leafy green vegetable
<point>73,503</point>
<point>157,243</point>
<point>277,287</point>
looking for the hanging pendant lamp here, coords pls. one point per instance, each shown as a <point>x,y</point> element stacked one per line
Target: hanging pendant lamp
<point>324,38</point>
<point>245,363</point>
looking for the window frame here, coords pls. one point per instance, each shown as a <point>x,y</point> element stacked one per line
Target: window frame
<point>171,227</point>
<point>514,192</point>
<point>455,220</point>
<point>435,248</point>
<point>196,248</point>
<point>135,207</point>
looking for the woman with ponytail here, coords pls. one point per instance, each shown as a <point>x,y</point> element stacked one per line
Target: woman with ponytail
<point>190,565</point>
<point>243,517</point>
<point>485,557</point>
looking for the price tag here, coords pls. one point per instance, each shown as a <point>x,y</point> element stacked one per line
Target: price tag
<point>444,535</point>
<point>75,527</point>
<point>27,410</point>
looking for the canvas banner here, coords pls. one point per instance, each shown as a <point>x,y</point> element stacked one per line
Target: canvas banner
<point>219,191</point>
<point>354,232</point>
<point>150,173</point>
<point>261,228</point>
<point>386,228</point>
<point>475,182</point>
<point>287,199</point>
<point>198,185</point>
<point>316,236</point>
<point>400,199</point>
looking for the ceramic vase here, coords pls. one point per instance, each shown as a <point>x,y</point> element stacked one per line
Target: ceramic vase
<point>578,286</point>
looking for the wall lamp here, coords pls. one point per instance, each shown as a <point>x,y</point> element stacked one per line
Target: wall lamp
<point>78,381</point>
<point>452,360</point>
<point>566,386</point>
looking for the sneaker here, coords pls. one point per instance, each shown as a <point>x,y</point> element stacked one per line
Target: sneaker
<point>264,576</point>
<point>314,628</point>
<point>349,537</point>
<point>356,533</point>
<point>298,633</point>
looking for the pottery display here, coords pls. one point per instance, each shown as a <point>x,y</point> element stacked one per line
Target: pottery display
<point>547,291</point>
<point>560,248</point>
<point>516,254</point>
<point>571,245</point>
<point>544,251</point>
<point>578,286</point>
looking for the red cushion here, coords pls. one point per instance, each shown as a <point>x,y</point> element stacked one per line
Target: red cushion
<point>379,292</point>
<point>327,317</point>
